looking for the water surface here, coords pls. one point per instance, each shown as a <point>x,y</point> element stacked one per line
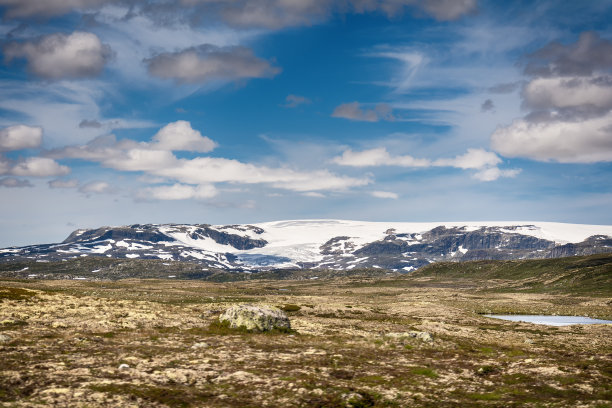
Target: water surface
<point>550,320</point>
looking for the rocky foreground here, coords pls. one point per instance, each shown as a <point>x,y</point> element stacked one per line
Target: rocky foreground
<point>354,342</point>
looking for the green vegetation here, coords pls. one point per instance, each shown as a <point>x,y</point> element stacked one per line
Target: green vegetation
<point>588,275</point>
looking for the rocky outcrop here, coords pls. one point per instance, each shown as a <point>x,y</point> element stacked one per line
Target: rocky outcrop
<point>224,238</point>
<point>256,318</point>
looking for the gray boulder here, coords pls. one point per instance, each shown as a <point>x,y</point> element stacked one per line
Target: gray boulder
<point>256,318</point>
<point>419,335</point>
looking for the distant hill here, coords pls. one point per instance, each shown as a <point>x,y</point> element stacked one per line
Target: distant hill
<point>589,275</point>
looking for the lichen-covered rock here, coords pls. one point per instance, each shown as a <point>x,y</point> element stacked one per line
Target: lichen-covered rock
<point>256,318</point>
<point>420,335</point>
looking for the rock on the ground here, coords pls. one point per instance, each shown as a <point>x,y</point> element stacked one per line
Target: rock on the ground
<point>420,335</point>
<point>255,318</point>
<point>4,338</point>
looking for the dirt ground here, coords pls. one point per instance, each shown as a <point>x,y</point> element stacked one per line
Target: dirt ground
<point>150,343</point>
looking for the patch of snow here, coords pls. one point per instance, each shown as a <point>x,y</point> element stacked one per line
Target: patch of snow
<point>462,249</point>
<point>131,256</point>
<point>101,249</point>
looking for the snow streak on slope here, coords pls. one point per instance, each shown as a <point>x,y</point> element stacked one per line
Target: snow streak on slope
<point>300,240</point>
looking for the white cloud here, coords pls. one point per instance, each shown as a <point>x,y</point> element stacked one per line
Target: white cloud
<point>20,137</point>
<point>570,97</point>
<point>97,187</point>
<point>204,170</point>
<point>475,159</point>
<point>378,157</point>
<point>384,194</point>
<point>567,92</point>
<point>139,160</point>
<point>354,111</point>
<point>313,194</point>
<point>57,56</point>
<point>208,62</point>
<point>180,135</point>
<point>39,167</point>
<point>586,141</point>
<point>128,155</point>
<point>493,173</point>
<point>178,192</point>
<point>63,183</point>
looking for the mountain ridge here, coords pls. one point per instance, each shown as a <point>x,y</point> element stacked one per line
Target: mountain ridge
<point>326,244</point>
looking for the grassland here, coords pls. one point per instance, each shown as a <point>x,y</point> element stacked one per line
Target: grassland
<point>154,343</point>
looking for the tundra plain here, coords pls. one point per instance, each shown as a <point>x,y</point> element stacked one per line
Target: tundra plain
<point>157,343</point>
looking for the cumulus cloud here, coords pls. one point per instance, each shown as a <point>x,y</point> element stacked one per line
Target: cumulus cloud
<point>586,141</point>
<point>207,62</point>
<point>493,173</point>
<point>39,167</point>
<point>63,183</point>
<point>11,182</point>
<point>206,170</point>
<point>180,135</point>
<point>46,8</point>
<point>569,92</point>
<point>58,56</point>
<point>378,157</point>
<point>20,137</point>
<point>178,192</point>
<point>354,111</point>
<point>156,159</point>
<point>589,54</point>
<point>128,155</point>
<point>473,159</point>
<point>570,103</point>
<point>292,101</point>
<point>384,194</point>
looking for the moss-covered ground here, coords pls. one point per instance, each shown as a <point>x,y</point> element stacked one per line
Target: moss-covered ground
<point>155,343</point>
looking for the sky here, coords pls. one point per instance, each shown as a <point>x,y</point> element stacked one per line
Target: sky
<point>117,112</point>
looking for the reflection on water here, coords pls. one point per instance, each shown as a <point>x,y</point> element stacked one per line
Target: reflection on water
<point>550,320</point>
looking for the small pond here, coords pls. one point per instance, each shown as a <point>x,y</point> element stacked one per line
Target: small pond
<point>550,320</point>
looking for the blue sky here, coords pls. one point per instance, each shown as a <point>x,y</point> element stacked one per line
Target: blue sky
<point>116,112</point>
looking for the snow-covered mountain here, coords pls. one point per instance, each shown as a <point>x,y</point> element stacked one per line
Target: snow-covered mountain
<point>329,244</point>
